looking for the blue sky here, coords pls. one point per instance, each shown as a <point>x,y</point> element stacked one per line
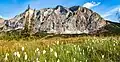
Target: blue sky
<point>106,8</point>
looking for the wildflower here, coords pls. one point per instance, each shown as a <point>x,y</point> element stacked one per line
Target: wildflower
<point>25,55</point>
<point>74,45</point>
<point>44,51</point>
<point>114,44</point>
<point>117,53</point>
<point>88,46</point>
<point>48,46</point>
<point>74,60</point>
<point>102,56</point>
<point>92,48</point>
<point>80,53</point>
<point>58,60</point>
<point>6,56</point>
<point>38,53</point>
<point>68,51</point>
<point>37,60</point>
<point>18,54</point>
<point>86,60</point>
<point>79,49</point>
<point>15,53</point>
<point>114,41</point>
<point>23,48</point>
<point>37,50</point>
<point>114,48</point>
<point>55,53</point>
<point>51,50</point>
<point>45,60</point>
<point>57,42</point>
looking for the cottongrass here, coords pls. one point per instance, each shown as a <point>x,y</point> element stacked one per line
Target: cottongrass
<point>58,42</point>
<point>44,51</point>
<point>37,50</point>
<point>38,53</point>
<point>67,52</point>
<point>55,54</point>
<point>78,52</point>
<point>45,60</point>
<point>51,49</point>
<point>6,56</point>
<point>74,59</point>
<point>25,56</point>
<point>16,54</point>
<point>102,56</point>
<point>37,60</point>
<point>22,48</point>
<point>58,60</point>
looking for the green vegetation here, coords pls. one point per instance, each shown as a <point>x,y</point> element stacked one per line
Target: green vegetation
<point>61,49</point>
<point>113,28</point>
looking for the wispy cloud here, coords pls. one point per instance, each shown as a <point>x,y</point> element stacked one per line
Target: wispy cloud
<point>91,4</point>
<point>111,12</point>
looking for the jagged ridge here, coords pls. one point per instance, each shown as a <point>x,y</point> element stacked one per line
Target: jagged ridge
<point>59,20</point>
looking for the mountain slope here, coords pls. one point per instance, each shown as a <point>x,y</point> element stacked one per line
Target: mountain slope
<point>58,20</point>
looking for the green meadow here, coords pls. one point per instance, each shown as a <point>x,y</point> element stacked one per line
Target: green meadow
<point>60,49</point>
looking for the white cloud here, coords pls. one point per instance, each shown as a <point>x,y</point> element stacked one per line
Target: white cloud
<point>111,12</point>
<point>91,4</point>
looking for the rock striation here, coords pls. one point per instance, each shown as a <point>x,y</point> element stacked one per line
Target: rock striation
<point>58,20</point>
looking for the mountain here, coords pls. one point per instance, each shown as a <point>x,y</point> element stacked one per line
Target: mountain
<point>58,20</point>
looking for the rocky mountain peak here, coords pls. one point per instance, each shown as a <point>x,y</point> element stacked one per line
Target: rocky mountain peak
<point>59,20</point>
<point>60,9</point>
<point>74,8</point>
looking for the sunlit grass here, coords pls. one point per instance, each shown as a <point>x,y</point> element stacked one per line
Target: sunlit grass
<point>58,49</point>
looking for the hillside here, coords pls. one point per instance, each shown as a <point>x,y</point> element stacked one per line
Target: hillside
<point>60,20</point>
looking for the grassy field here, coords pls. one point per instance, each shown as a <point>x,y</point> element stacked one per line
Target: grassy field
<point>61,49</point>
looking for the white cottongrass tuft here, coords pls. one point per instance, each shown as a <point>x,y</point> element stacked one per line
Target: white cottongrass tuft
<point>58,60</point>
<point>102,56</point>
<point>67,52</point>
<point>51,50</point>
<point>37,60</point>
<point>48,46</point>
<point>37,50</point>
<point>55,53</point>
<point>23,48</point>
<point>45,60</point>
<point>44,51</point>
<point>58,42</point>
<point>25,56</point>
<point>6,57</point>
<point>38,53</point>
<point>15,53</point>
<point>114,44</point>
<point>18,54</point>
<point>74,59</point>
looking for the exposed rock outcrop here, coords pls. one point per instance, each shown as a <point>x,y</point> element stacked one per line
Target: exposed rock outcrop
<point>59,20</point>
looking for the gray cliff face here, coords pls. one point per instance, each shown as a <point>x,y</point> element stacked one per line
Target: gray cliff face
<point>59,20</point>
